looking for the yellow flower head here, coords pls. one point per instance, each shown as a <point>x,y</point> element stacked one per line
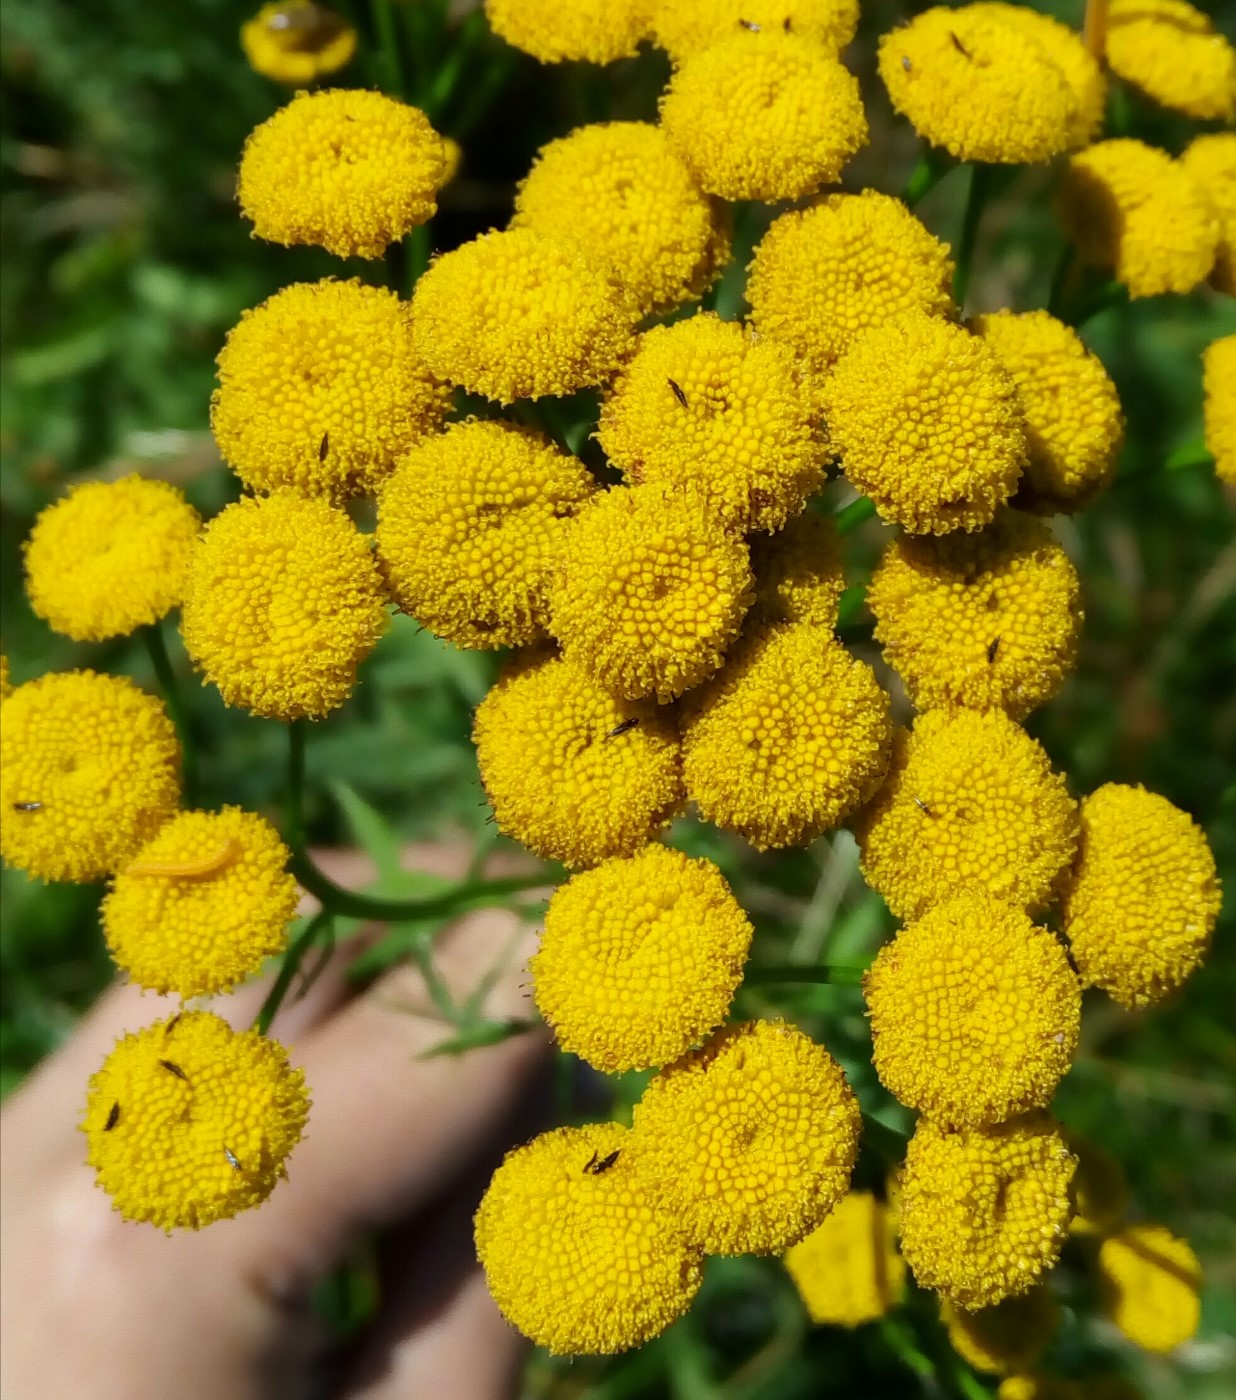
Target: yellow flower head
<point>575,1253</point>
<point>1211,160</point>
<point>649,590</point>
<point>788,740</point>
<point>284,603</point>
<point>1219,409</point>
<point>1132,208</point>
<point>927,423</point>
<point>640,959</point>
<point>707,403</point>
<point>518,315</point>
<point>573,773</point>
<point>984,1210</point>
<point>621,192</point>
<point>189,1121</point>
<point>979,85</point>
<point>470,527</point>
<point>110,557</point>
<point>974,1012</point>
<point>685,27</point>
<point>1008,1337</point>
<point>1170,51</point>
<point>1149,1285</point>
<point>1100,1190</point>
<point>320,388</point>
<point>595,31</point>
<point>847,1270</point>
<point>970,802</point>
<point>750,1141</point>
<point>764,116</point>
<point>202,903</point>
<point>799,576</point>
<point>89,770</point>
<point>346,170</point>
<point>297,41</point>
<point>1141,901</point>
<point>1074,423</point>
<point>1040,1385</point>
<point>984,621</point>
<point>823,275</point>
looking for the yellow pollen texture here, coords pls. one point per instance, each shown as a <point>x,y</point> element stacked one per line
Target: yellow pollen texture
<point>1170,51</point>
<point>592,31</point>
<point>684,27</point>
<point>799,576</point>
<point>1009,1337</point>
<point>847,1271</point>
<point>576,1254</point>
<point>1150,1284</point>
<point>750,1141</point>
<point>297,41</point>
<point>1219,408</point>
<point>1211,160</point>
<point>974,1012</point>
<point>188,1121</point>
<point>640,959</point>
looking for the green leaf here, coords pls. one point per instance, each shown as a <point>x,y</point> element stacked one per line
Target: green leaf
<point>473,1037</point>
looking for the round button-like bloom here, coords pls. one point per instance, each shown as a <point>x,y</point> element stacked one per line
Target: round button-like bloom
<point>110,557</point>
<point>189,1121</point>
<point>970,802</point>
<point>1140,903</point>
<point>927,423</point>
<point>974,1011</point>
<point>470,527</point>
<point>1219,409</point>
<point>1150,1283</point>
<point>1211,160</point>
<point>1170,50</point>
<point>620,191</point>
<point>640,959</point>
<point>518,315</point>
<point>707,403</point>
<point>320,388</point>
<point>346,170</point>
<point>1100,1189</point>
<point>594,31</point>
<point>1009,1337</point>
<point>823,275</point>
<point>1074,423</point>
<point>788,740</point>
<point>203,902</point>
<point>1132,208</point>
<point>284,603</point>
<point>576,1253</point>
<point>649,590</point>
<point>89,770</point>
<point>847,1271</point>
<point>750,1141</point>
<point>983,1211</point>
<point>684,27</point>
<point>980,86</point>
<point>297,41</point>
<point>799,575</point>
<point>984,621</point>
<point>573,773</point>
<point>764,116</point>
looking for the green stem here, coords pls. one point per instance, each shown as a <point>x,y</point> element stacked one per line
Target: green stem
<point>850,517</point>
<point>1064,280</point>
<point>925,176</point>
<point>388,43</point>
<point>834,973</point>
<point>419,249</point>
<point>156,649</point>
<point>1189,455</point>
<point>470,35</point>
<point>292,960</point>
<point>976,199</point>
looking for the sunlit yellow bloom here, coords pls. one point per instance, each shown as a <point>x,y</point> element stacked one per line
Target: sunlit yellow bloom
<point>799,575</point>
<point>1219,410</point>
<point>1211,160</point>
<point>596,31</point>
<point>684,27</point>
<point>1008,1337</point>
<point>297,41</point>
<point>1149,1285</point>
<point>1171,51</point>
<point>847,1270</point>
<point>1040,1385</point>
<point>1100,1190</point>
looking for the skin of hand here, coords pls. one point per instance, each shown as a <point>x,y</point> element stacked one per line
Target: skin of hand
<point>98,1308</point>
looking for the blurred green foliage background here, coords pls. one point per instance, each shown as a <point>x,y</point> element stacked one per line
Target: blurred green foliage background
<point>125,263</point>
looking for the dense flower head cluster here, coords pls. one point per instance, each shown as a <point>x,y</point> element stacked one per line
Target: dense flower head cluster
<point>297,41</point>
<point>684,27</point>
<point>983,621</point>
<point>799,574</point>
<point>189,1121</point>
<point>1171,51</point>
<point>470,527</point>
<point>321,389</point>
<point>620,191</point>
<point>201,904</point>
<point>847,1270</point>
<point>346,170</point>
<point>554,31</point>
<point>764,116</point>
<point>970,802</point>
<point>706,403</point>
<point>1149,1285</point>
<point>926,423</point>
<point>1219,409</point>
<point>89,770</point>
<point>1011,1336</point>
<point>1142,897</point>
<point>640,959</point>
<point>1211,160</point>
<point>109,557</point>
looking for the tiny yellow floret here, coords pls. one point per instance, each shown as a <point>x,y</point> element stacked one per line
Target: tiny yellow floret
<point>189,1121</point>
<point>799,574</point>
<point>847,1271</point>
<point>110,557</point>
<point>1211,160</point>
<point>1171,51</point>
<point>684,27</point>
<point>1008,1337</point>
<point>1219,409</point>
<point>750,1141</point>
<point>284,603</point>
<point>203,903</point>
<point>576,1254</point>
<point>347,170</point>
<point>1150,1285</point>
<point>297,41</point>
<point>89,770</point>
<point>557,31</point>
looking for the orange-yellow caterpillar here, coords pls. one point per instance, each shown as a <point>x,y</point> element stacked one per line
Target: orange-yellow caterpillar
<point>192,868</point>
